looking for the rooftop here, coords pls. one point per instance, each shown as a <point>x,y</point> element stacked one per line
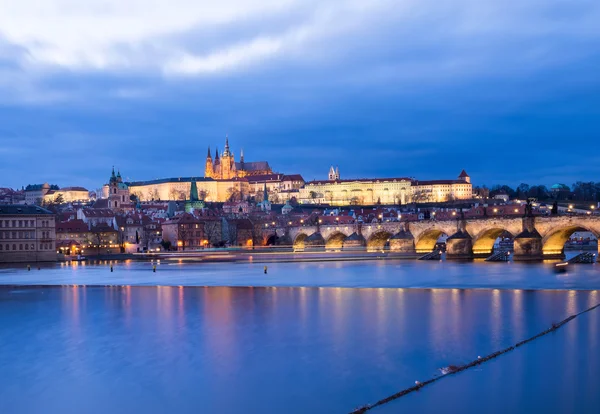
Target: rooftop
<point>17,209</point>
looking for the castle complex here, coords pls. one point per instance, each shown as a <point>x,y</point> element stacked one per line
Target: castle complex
<point>224,167</point>
<point>225,179</point>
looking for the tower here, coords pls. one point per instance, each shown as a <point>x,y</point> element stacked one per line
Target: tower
<point>337,172</point>
<point>331,176</point>
<point>227,162</point>
<point>208,166</point>
<point>118,192</point>
<point>464,177</point>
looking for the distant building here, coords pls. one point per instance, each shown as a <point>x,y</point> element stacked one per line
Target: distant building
<point>224,166</point>
<point>178,189</point>
<point>370,191</point>
<point>27,234</point>
<point>34,193</point>
<point>68,195</point>
<point>118,191</point>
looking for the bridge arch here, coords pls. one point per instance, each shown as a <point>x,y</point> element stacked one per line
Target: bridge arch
<point>427,240</point>
<point>378,240</point>
<point>335,241</point>
<point>299,240</point>
<point>483,243</point>
<point>554,241</point>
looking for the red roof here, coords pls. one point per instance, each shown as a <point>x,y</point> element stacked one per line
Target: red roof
<point>369,180</point>
<point>72,226</point>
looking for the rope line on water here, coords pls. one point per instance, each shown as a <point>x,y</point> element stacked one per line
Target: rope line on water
<point>478,361</point>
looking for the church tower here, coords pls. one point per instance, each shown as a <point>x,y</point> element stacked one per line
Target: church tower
<point>208,167</point>
<point>227,162</point>
<point>334,174</point>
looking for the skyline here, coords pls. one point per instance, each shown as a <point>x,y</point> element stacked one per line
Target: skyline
<point>507,91</point>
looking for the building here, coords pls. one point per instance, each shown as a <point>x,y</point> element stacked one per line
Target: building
<point>178,189</point>
<point>439,191</point>
<point>224,166</point>
<point>34,193</point>
<point>184,232</point>
<point>280,187</point>
<point>370,191</point>
<point>116,191</point>
<point>27,234</point>
<point>68,195</point>
<point>72,237</point>
<point>95,216</point>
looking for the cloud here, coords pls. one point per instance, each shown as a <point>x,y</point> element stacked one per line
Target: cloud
<point>416,87</point>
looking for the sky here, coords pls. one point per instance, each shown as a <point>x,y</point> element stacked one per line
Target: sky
<point>508,90</point>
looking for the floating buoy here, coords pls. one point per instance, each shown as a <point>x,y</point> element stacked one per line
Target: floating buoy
<point>265,270</point>
<point>111,268</point>
<point>28,268</point>
<point>154,268</point>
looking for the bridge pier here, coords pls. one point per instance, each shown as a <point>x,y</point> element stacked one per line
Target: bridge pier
<point>528,244</point>
<point>403,241</point>
<point>459,246</point>
<point>314,242</point>
<point>354,242</point>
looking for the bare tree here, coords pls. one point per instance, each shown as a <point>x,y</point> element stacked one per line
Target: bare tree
<point>203,194</point>
<point>231,232</point>
<point>212,231</point>
<point>233,194</point>
<point>421,196</point>
<point>183,234</point>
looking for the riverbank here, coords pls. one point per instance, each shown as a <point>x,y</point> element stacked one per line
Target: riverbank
<point>253,256</point>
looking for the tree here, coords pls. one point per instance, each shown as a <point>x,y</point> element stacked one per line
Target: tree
<point>231,231</point>
<point>212,231</point>
<point>233,194</point>
<point>354,201</point>
<point>312,195</point>
<point>203,194</point>
<point>183,234</point>
<point>166,244</point>
<point>60,199</point>
<point>522,191</point>
<point>421,196</point>
<point>554,210</point>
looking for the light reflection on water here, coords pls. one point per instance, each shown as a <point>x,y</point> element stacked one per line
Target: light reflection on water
<point>294,350</point>
<point>392,273</point>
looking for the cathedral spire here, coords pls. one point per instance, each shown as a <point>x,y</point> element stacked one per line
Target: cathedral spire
<point>216,154</point>
<point>209,156</point>
<point>226,152</point>
<point>242,155</point>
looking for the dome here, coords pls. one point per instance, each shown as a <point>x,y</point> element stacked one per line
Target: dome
<point>559,187</point>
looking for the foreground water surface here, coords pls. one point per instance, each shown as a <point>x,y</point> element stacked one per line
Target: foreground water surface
<point>295,349</point>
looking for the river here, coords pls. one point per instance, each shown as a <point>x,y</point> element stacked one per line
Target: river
<point>304,338</point>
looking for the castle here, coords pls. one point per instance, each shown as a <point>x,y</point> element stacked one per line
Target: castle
<point>224,166</point>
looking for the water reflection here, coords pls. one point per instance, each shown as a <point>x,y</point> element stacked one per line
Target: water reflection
<point>294,350</point>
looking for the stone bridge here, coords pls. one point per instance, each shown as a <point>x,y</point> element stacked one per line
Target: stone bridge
<point>535,237</point>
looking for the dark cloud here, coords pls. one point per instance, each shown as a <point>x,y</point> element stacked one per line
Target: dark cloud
<point>421,97</point>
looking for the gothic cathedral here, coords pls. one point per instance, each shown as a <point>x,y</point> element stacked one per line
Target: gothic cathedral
<point>224,166</point>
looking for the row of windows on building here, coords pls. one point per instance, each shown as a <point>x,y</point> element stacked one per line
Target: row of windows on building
<point>17,234</point>
<point>26,246</point>
<point>22,223</point>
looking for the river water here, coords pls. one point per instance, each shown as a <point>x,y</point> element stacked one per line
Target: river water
<point>304,338</point>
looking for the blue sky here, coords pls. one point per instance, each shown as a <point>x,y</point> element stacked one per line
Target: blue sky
<point>509,91</point>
